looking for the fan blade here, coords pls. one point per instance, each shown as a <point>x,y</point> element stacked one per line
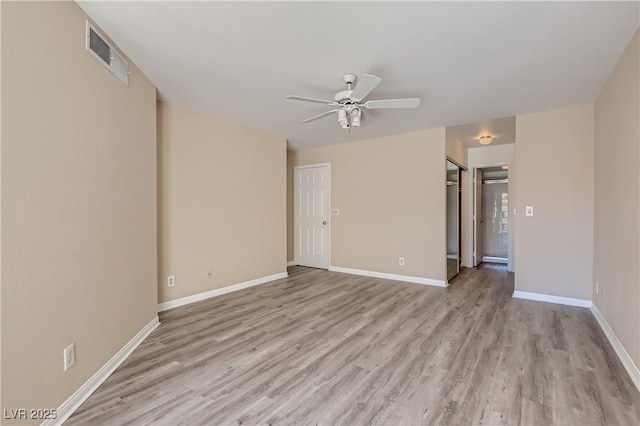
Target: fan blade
<point>364,85</point>
<point>319,116</point>
<point>320,101</point>
<point>393,103</point>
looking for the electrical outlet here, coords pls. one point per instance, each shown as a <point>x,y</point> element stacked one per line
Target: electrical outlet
<point>69,356</point>
<point>210,274</point>
<point>401,261</point>
<point>171,281</point>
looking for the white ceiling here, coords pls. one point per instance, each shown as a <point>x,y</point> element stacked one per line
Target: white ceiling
<point>503,131</point>
<point>467,61</point>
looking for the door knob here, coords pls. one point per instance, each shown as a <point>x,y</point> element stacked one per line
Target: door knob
<point>324,222</point>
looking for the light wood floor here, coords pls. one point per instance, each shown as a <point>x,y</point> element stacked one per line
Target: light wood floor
<point>328,348</point>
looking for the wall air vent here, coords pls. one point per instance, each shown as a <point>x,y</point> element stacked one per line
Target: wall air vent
<point>102,50</point>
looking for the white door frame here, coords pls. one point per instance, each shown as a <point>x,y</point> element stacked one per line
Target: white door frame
<point>512,218</point>
<point>295,198</point>
<point>477,258</point>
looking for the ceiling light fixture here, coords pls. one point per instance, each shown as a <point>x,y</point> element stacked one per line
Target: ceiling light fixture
<point>343,121</point>
<point>349,117</point>
<point>355,117</point>
<point>485,140</point>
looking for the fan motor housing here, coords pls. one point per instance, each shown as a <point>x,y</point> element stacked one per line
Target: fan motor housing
<point>345,95</point>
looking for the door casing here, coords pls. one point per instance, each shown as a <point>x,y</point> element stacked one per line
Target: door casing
<point>511,262</point>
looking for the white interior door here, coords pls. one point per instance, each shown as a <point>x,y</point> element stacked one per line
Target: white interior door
<point>477,217</point>
<point>312,186</point>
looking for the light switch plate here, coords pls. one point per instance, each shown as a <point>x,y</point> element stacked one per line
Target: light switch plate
<point>69,356</point>
<point>528,211</point>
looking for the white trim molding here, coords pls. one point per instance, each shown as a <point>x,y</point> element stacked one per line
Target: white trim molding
<point>311,166</point>
<point>74,401</point>
<point>218,292</point>
<point>624,356</point>
<point>493,259</point>
<point>569,301</point>
<point>291,263</point>
<point>387,276</point>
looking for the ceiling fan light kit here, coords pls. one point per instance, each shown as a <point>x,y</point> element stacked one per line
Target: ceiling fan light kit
<point>350,102</point>
<point>343,121</point>
<point>355,116</point>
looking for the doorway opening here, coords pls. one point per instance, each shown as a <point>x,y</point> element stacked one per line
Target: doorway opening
<point>491,215</point>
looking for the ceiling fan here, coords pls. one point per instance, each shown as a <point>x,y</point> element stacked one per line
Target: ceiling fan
<point>349,103</point>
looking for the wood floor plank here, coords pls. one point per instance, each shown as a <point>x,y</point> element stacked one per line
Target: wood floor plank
<point>326,348</point>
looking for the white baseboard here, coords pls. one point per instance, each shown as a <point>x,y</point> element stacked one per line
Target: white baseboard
<point>626,360</point>
<point>582,303</point>
<point>218,291</point>
<point>406,278</point>
<point>493,259</point>
<point>74,401</point>
<point>291,263</point>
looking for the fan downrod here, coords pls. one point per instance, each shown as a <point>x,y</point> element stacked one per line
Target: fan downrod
<point>349,79</point>
<point>344,97</point>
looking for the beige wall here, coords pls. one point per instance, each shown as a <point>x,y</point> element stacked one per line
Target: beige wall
<point>554,174</point>
<point>78,205</point>
<point>492,155</point>
<point>222,201</point>
<point>457,151</point>
<point>617,200</point>
<point>1,405</point>
<point>391,196</point>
